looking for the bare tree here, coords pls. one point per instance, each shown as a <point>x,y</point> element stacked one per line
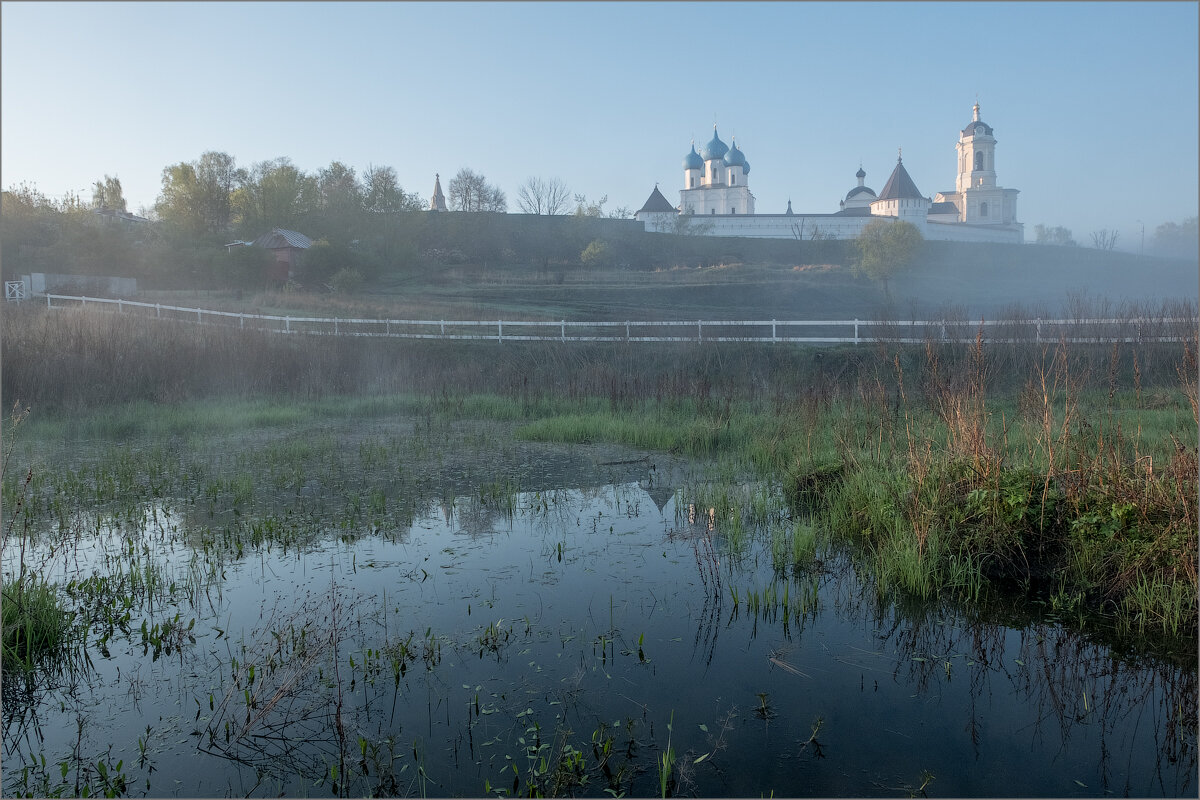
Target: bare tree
<point>583,208</point>
<point>1104,239</point>
<point>688,224</point>
<point>470,191</point>
<point>537,196</point>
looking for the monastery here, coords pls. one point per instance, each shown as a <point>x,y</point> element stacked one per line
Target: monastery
<point>716,196</point>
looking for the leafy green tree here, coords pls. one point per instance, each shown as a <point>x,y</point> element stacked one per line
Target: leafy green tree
<point>218,176</point>
<point>339,191</point>
<point>196,198</point>
<point>1177,240</point>
<point>107,194</point>
<point>382,193</point>
<point>274,195</point>
<point>1057,236</point>
<point>30,223</point>
<point>885,247</point>
<point>178,205</point>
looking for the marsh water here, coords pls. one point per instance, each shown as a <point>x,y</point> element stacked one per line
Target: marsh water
<point>559,631</point>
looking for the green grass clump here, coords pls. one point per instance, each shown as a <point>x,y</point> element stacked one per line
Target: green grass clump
<point>35,623</point>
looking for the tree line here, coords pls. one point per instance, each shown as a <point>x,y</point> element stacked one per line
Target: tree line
<point>364,225</point>
<point>1169,240</point>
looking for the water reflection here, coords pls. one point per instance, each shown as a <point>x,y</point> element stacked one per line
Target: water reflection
<point>589,628</point>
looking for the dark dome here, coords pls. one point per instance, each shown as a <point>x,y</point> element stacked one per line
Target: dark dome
<point>860,173</point>
<point>857,190</point>
<point>692,160</point>
<point>978,128</point>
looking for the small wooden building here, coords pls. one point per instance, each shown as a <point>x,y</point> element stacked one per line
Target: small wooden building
<point>288,249</point>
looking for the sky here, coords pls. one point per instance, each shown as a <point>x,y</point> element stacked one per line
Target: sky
<point>1094,105</point>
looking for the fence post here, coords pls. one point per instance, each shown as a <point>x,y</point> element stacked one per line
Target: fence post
<point>699,331</point>
<point>774,336</point>
<point>287,324</point>
<point>199,316</point>
<point>564,330</point>
<point>856,330</point>
<point>82,301</point>
<point>120,307</point>
<point>387,327</point>
<point>499,330</point>
<point>443,327</point>
<point>157,309</point>
<point>335,326</point>
<point>48,302</point>
<point>1038,331</point>
<point>241,320</point>
<point>627,330</point>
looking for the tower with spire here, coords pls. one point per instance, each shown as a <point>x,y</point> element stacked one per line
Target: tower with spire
<point>438,201</point>
<point>977,198</point>
<point>901,198</point>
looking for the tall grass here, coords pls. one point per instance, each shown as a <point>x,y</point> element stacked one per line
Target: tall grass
<point>35,623</point>
<point>1062,471</point>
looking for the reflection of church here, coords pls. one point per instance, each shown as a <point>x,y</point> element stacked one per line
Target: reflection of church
<point>716,191</point>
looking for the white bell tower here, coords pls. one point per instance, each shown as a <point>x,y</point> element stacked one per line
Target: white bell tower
<point>976,156</point>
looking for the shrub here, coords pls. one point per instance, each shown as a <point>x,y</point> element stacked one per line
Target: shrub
<point>596,254</point>
<point>346,280</point>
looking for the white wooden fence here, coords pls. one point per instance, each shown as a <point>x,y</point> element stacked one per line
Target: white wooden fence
<point>1136,329</point>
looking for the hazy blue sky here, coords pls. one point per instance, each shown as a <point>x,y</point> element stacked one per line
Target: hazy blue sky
<point>1094,104</point>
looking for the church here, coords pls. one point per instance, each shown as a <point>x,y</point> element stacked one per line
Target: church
<point>716,199</point>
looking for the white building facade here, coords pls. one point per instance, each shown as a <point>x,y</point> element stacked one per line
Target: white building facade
<point>716,199</point>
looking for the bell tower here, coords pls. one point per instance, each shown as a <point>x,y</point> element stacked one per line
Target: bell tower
<point>976,156</point>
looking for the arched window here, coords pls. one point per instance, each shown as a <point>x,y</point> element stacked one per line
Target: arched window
<point>732,179</point>
<point>983,209</point>
<point>979,161</point>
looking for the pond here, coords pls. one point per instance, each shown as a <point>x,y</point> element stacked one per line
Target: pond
<point>626,637</point>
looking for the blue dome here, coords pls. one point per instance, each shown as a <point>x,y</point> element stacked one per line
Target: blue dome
<point>693,160</point>
<point>735,157</point>
<point>745,167</point>
<point>715,148</point>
